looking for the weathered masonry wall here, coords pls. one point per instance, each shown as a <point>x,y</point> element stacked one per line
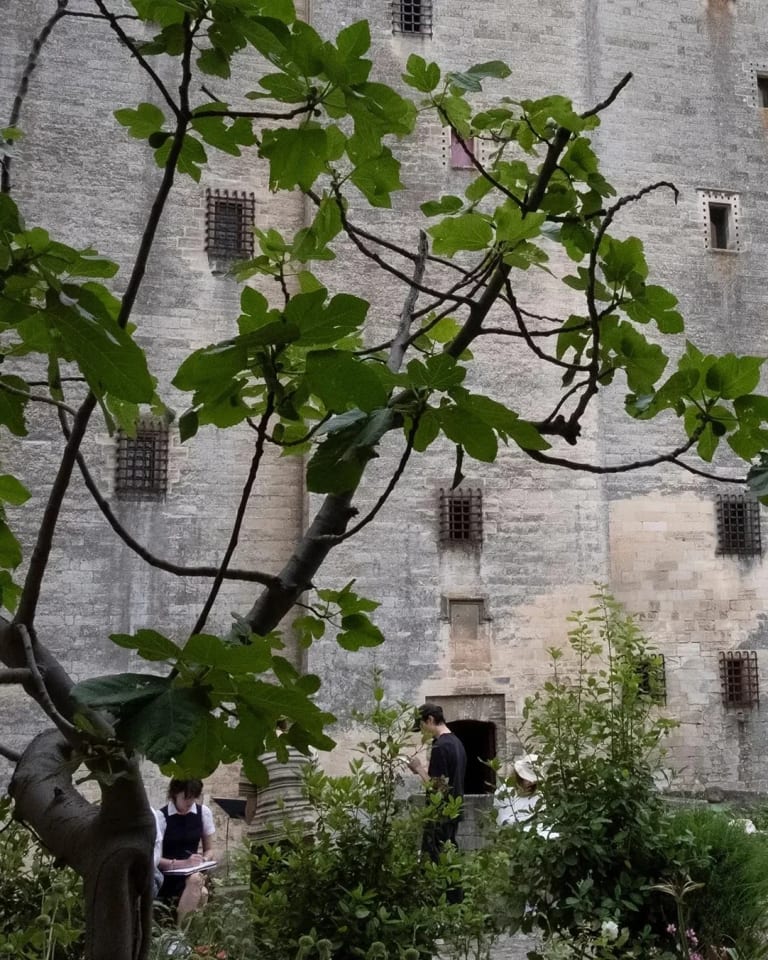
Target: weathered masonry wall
<point>80,175</point>
<point>465,623</point>
<point>690,116</point>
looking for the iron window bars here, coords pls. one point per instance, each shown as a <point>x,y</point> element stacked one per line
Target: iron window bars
<point>461,516</point>
<point>229,222</point>
<point>739,678</point>
<point>412,16</point>
<point>142,463</point>
<point>738,526</point>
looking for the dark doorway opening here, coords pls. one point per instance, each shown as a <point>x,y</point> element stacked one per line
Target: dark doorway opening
<point>479,740</point>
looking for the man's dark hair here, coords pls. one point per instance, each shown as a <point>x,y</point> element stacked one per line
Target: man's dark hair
<point>192,789</point>
<point>433,710</point>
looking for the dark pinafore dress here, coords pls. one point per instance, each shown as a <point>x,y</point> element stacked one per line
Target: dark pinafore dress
<point>183,833</point>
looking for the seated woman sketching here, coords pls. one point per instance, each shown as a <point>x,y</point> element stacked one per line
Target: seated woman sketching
<point>187,842</point>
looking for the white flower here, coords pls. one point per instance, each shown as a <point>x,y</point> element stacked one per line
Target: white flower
<point>609,930</point>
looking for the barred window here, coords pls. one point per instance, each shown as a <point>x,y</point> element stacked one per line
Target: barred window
<point>142,463</point>
<point>652,677</point>
<point>229,221</point>
<point>461,516</point>
<point>739,679</point>
<point>738,526</point>
<point>412,16</point>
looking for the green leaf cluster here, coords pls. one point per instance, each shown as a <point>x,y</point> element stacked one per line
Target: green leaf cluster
<point>182,721</point>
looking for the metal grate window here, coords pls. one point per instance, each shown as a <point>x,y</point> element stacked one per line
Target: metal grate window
<point>412,16</point>
<point>652,677</point>
<point>738,678</point>
<point>142,463</point>
<point>229,222</point>
<point>738,526</point>
<point>461,516</point>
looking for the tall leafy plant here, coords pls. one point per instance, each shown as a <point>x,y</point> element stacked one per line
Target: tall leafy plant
<point>598,731</point>
<point>361,887</point>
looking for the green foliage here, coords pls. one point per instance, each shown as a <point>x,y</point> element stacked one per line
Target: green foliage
<point>729,907</point>
<point>360,889</point>
<point>598,733</point>
<point>41,912</point>
<point>183,721</point>
<point>301,362</point>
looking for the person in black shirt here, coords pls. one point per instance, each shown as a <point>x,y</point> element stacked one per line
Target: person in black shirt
<point>446,770</point>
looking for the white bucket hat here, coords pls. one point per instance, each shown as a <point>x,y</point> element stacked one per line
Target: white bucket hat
<point>525,766</point>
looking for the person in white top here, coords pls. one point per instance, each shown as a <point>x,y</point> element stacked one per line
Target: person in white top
<point>188,826</point>
<point>517,806</point>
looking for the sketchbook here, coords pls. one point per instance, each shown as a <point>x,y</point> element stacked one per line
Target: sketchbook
<point>187,871</point>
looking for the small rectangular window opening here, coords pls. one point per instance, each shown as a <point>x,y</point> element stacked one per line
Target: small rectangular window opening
<point>142,463</point>
<point>739,678</point>
<point>720,226</point>
<point>462,153</point>
<point>412,16</point>
<point>738,526</point>
<point>229,222</point>
<point>461,516</point>
<point>762,91</point>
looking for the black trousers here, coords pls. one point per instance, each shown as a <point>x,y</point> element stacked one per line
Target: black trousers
<point>436,834</point>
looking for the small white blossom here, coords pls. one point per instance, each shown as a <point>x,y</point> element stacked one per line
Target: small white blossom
<point>609,930</point>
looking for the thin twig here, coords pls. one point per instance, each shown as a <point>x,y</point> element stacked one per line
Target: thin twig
<point>610,98</point>
<point>401,339</point>
<point>250,576</point>
<point>340,538</point>
<point>29,67</point>
<point>442,296</point>
<point>37,398</point>
<point>548,358</point>
<point>240,516</point>
<point>30,593</point>
<point>255,114</point>
<point>114,23</point>
<point>670,457</point>
<point>705,473</point>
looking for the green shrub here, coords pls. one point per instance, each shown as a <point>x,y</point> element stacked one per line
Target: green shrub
<point>598,732</point>
<point>731,908</point>
<point>41,912</point>
<point>360,889</point>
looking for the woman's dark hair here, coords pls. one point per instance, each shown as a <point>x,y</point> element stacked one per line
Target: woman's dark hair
<point>192,789</point>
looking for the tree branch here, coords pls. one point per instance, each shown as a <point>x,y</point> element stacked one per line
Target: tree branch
<point>141,60</point>
<point>340,538</point>
<point>58,683</point>
<point>17,675</point>
<point>610,98</point>
<point>250,576</point>
<point>31,591</point>
<point>401,339</point>
<point>37,398</point>
<point>34,54</point>
<point>296,576</point>
<point>705,473</point>
<point>43,697</point>
<point>371,255</point>
<point>240,516</point>
<point>9,754</point>
<point>670,457</point>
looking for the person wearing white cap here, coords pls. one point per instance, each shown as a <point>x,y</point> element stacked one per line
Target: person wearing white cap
<point>518,805</point>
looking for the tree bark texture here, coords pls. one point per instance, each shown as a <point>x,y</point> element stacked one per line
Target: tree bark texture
<point>110,845</point>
